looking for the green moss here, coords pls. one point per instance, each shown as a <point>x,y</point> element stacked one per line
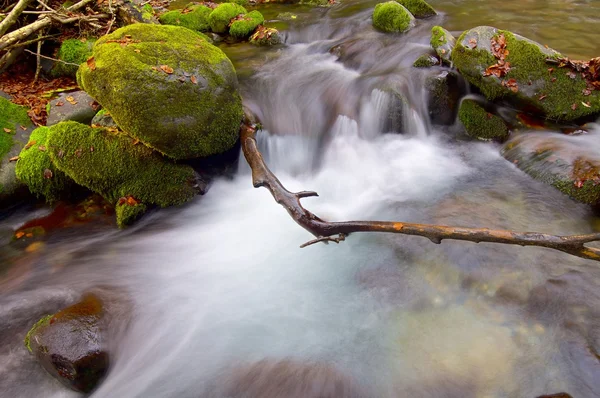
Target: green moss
<point>114,166</point>
<point>438,37</point>
<point>244,27</point>
<point>11,117</point>
<point>426,61</point>
<point>220,17</point>
<point>287,16</point>
<point>36,170</point>
<point>481,124</point>
<point>147,12</point>
<point>127,214</point>
<point>42,322</point>
<point>74,51</point>
<point>196,19</point>
<point>392,17</point>
<point>264,36</point>
<point>203,114</point>
<point>418,8</point>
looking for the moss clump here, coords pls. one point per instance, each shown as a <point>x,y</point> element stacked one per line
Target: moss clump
<point>42,322</point>
<point>11,117</point>
<point>481,124</point>
<point>242,28</point>
<point>112,165</point>
<point>558,93</point>
<point>443,43</point>
<point>75,51</point>
<point>167,87</point>
<point>127,214</point>
<point>147,12</point>
<point>426,61</point>
<point>220,17</point>
<point>192,17</point>
<point>418,8</point>
<point>264,36</point>
<point>392,17</point>
<point>36,170</point>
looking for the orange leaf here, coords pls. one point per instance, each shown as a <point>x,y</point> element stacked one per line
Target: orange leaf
<point>167,69</point>
<point>19,234</point>
<point>91,63</point>
<point>30,144</point>
<point>71,100</point>
<point>14,158</point>
<point>194,80</point>
<point>7,130</point>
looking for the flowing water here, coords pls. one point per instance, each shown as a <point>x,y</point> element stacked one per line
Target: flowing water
<point>221,283</point>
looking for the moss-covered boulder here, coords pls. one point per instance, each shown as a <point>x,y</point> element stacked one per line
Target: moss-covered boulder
<point>168,87</point>
<point>426,61</point>
<point>73,51</point>
<point>116,166</point>
<point>244,25</point>
<point>568,163</point>
<point>507,66</point>
<point>194,16</point>
<point>128,212</point>
<point>418,8</point>
<point>36,170</point>
<point>264,36</point>
<point>15,129</point>
<point>481,124</point>
<point>220,17</point>
<point>392,17</point>
<point>443,43</point>
<point>444,90</point>
<point>71,344</point>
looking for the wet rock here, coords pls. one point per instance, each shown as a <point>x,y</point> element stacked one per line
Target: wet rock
<point>104,119</point>
<point>264,36</point>
<point>481,124</point>
<point>443,43</point>
<point>418,8</point>
<point>507,66</point>
<point>77,106</point>
<point>443,96</point>
<point>426,61</point>
<point>568,163</point>
<point>391,17</point>
<point>167,87</point>
<point>290,379</point>
<point>71,344</point>
<point>15,129</point>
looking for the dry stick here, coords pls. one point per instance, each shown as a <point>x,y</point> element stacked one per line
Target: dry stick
<point>13,16</point>
<point>38,58</point>
<point>325,231</point>
<point>52,59</point>
<point>44,21</point>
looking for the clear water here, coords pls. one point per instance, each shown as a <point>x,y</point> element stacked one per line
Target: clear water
<point>221,283</point>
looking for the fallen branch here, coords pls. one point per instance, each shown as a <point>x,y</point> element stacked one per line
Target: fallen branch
<point>325,231</point>
<point>13,16</point>
<point>50,58</point>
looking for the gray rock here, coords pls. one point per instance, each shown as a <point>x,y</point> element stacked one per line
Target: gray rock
<point>104,119</point>
<point>443,96</point>
<point>443,43</point>
<point>77,106</point>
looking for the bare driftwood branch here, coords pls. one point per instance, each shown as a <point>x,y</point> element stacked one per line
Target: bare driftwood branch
<point>325,231</point>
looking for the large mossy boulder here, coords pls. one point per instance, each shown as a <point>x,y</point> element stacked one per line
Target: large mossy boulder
<point>243,26</point>
<point>443,43</point>
<point>15,128</point>
<point>36,170</point>
<point>391,17</point>
<point>570,164</point>
<point>71,344</point>
<point>194,16</point>
<point>507,66</point>
<point>167,87</point>
<point>73,51</point>
<point>481,124</point>
<point>220,17</point>
<point>418,8</point>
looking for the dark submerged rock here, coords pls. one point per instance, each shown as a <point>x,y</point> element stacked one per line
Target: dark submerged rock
<point>426,61</point>
<point>443,95</point>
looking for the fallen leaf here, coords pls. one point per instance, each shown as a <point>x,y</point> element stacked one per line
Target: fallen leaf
<point>586,92</point>
<point>71,100</point>
<point>60,103</point>
<point>47,173</point>
<point>23,128</point>
<point>30,144</point>
<point>91,63</point>
<point>137,50</point>
<point>193,79</point>
<point>473,43</point>
<point>42,148</point>
<point>542,97</point>
<point>167,69</point>
<point>19,234</point>
<point>550,70</point>
<point>586,104</point>
<point>14,158</point>
<point>6,130</point>
<point>574,106</point>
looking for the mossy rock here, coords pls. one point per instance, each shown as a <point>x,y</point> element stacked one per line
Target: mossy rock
<point>480,123</point>
<point>264,36</point>
<point>245,25</point>
<point>75,51</point>
<point>443,43</point>
<point>426,61</point>
<point>15,129</point>
<point>391,17</point>
<point>128,213</point>
<point>220,17</point>
<point>444,90</point>
<point>568,163</point>
<point>193,17</point>
<point>115,166</point>
<point>418,8</point>
<point>538,84</point>
<point>36,170</point>
<point>103,119</point>
<point>167,87</point>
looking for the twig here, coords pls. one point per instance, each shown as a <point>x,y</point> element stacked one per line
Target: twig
<point>38,59</point>
<point>112,20</point>
<point>40,2</point>
<point>26,43</point>
<point>52,59</point>
<point>324,230</point>
<point>13,16</point>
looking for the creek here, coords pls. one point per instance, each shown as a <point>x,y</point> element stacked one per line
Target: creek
<point>221,282</point>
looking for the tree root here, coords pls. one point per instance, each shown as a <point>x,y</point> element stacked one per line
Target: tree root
<point>325,231</point>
